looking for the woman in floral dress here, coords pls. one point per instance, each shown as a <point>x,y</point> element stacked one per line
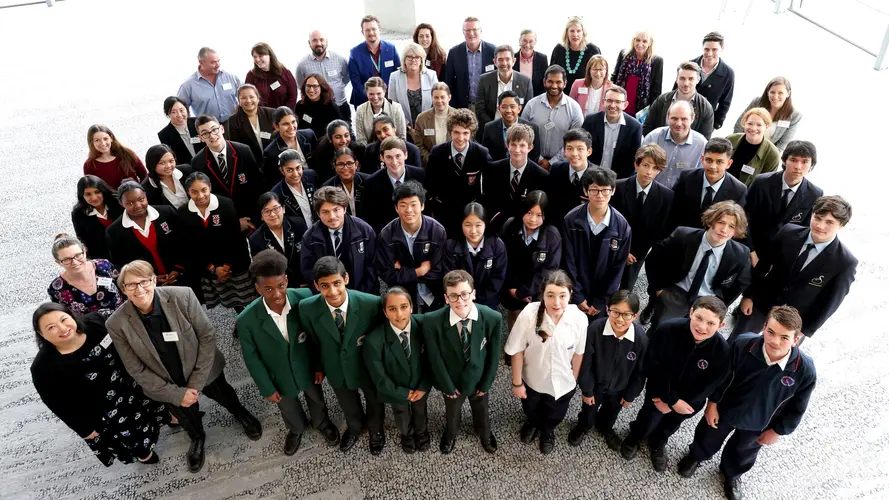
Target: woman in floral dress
<point>85,286</point>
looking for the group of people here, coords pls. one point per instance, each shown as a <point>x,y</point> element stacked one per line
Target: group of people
<point>460,183</point>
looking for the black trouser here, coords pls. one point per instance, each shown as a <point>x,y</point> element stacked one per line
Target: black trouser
<point>218,390</point>
<point>545,411</point>
<point>739,454</point>
<point>602,413</point>
<point>295,417</point>
<point>350,403</point>
<point>481,421</point>
<point>631,274</point>
<point>411,418</point>
<point>656,426</point>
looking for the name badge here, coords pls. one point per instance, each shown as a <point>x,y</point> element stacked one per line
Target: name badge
<point>388,64</point>
<point>171,337</point>
<point>583,90</point>
<point>195,140</point>
<point>429,131</point>
<point>275,86</point>
<point>484,342</point>
<point>747,169</point>
<point>783,124</point>
<point>105,281</point>
<point>489,67</point>
<point>307,118</point>
<point>681,164</point>
<point>226,86</point>
<point>428,63</point>
<point>549,126</point>
<point>331,72</point>
<point>105,342</point>
<point>265,135</point>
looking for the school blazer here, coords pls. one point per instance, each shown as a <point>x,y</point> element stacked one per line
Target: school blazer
<point>611,366</point>
<point>238,129</point>
<point>545,255</point>
<point>124,247</point>
<point>398,91</point>
<point>201,360</point>
<point>563,196</point>
<point>372,162</point>
<point>457,71</point>
<point>817,291</point>
<point>671,259</point>
<point>487,96</point>
<point>425,142</point>
<point>498,197</point>
<point>219,242</point>
<point>718,89</point>
<point>449,190</point>
<point>377,207</point>
<point>244,177</point>
<point>322,158</point>
<point>291,207</point>
<point>687,197</point>
<point>361,68</point>
<point>782,135</point>
<point>170,136</point>
<point>154,193</point>
<point>764,213</point>
<point>357,253</point>
<point>657,114</point>
<point>429,245</point>
<point>767,158</point>
<point>294,229</point>
<point>91,232</point>
<point>358,185</point>
<point>491,137</point>
<point>629,138</point>
<point>649,224</point>
<point>450,373</point>
<point>539,65</point>
<point>341,356</point>
<point>488,269</point>
<point>393,375</point>
<point>270,173</point>
<point>657,76</point>
<point>594,285</point>
<point>277,365</point>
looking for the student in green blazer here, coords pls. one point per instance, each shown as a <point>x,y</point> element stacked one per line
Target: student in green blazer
<point>754,153</point>
<point>394,355</point>
<point>338,321</point>
<point>463,341</point>
<point>278,352</point>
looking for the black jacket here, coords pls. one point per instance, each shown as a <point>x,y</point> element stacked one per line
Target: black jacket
<point>322,158</point>
<point>686,209</point>
<point>154,193</point>
<point>428,246</point>
<point>294,229</point>
<point>356,253</point>
<point>238,129</point>
<point>124,247</point>
<point>91,232</point>
<point>271,175</point>
<point>358,185</point>
<point>488,268</point>
<point>499,199</point>
<point>170,136</point>
<point>372,162</point>
<point>450,189</point>
<point>491,137</point>
<point>244,180</point>
<point>764,213</point>
<point>377,207</point>
<point>538,69</point>
<point>657,78</point>
<point>611,366</point>
<point>528,265</point>
<point>316,115</point>
<point>629,138</point>
<point>649,224</point>
<point>218,242</point>
<point>563,196</point>
<point>718,89</point>
<point>291,207</point>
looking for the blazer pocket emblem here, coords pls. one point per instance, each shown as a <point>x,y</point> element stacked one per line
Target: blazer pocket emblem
<point>484,342</point>
<point>361,340</point>
<point>301,338</point>
<point>489,264</point>
<point>541,257</point>
<point>817,281</point>
<point>797,218</point>
<point>165,227</point>
<point>360,247</point>
<point>242,178</point>
<point>631,356</point>
<point>216,220</point>
<point>426,247</point>
<point>614,243</point>
<point>728,281</point>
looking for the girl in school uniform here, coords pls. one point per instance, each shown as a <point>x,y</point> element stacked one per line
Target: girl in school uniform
<point>95,210</point>
<point>164,183</point>
<point>482,256</point>
<point>110,160</point>
<point>85,286</point>
<point>547,344</point>
<point>216,249</point>
<point>282,234</point>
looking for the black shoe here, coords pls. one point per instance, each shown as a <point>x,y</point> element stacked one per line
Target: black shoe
<point>153,459</point>
<point>292,442</point>
<point>688,466</point>
<point>490,444</point>
<point>547,443</point>
<point>577,435</point>
<point>612,439</point>
<point>659,459</point>
<point>732,488</point>
<point>629,448</point>
<point>422,441</point>
<point>529,433</point>
<point>377,442</point>
<point>330,433</point>
<point>446,445</point>
<point>195,456</point>
<point>348,441</point>
<point>252,427</point>
<point>647,313</point>
<point>408,444</point>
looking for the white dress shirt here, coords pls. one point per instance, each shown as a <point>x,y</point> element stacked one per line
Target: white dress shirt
<point>598,228</point>
<point>344,308</point>
<point>280,319</point>
<point>303,201</point>
<point>125,221</point>
<point>453,319</point>
<point>781,362</point>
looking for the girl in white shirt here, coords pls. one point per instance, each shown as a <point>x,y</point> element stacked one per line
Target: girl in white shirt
<point>547,345</point>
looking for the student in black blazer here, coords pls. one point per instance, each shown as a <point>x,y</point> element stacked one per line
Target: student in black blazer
<point>181,134</point>
<point>493,134</point>
<point>564,187</point>
<point>95,210</point>
<point>629,138</point>
<point>647,213</point>
<point>719,87</point>
<point>282,234</point>
<point>346,163</point>
<point>384,127</point>
<point>239,126</point>
<point>691,263</point>
<point>698,189</point>
<point>160,160</point>
<point>338,136</point>
<point>539,60</point>
<point>456,73</point>
<point>288,137</point>
<point>296,189</point>
<point>804,267</point>
<point>483,256</point>
<point>377,207</point>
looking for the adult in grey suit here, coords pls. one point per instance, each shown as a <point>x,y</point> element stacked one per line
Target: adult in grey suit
<point>492,83</point>
<point>166,343</point>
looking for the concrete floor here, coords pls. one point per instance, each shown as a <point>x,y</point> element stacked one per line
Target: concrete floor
<point>81,62</point>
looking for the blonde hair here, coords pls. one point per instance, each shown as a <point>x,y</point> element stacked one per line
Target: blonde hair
<point>760,112</point>
<point>416,49</point>
<point>578,20</point>
<point>138,268</point>
<point>649,53</point>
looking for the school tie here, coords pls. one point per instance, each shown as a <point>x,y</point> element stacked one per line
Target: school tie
<point>223,170</point>
<point>397,183</point>
<point>337,240</point>
<point>405,344</point>
<point>640,201</point>
<point>464,336</point>
<point>458,160</point>
<point>801,259</point>
<point>575,181</point>
<point>785,200</point>
<point>514,183</point>
<point>708,198</point>
<point>339,320</point>
<point>698,280</point>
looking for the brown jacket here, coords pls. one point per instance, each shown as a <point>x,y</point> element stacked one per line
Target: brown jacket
<point>426,123</point>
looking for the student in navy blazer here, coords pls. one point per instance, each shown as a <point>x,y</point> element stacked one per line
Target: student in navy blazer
<point>377,208</point>
<point>502,196</point>
<point>288,137</point>
<point>297,177</point>
<point>482,256</point>
<point>457,65</point>
<point>595,258</point>
<point>629,138</point>
<point>363,65</point>
<point>279,233</point>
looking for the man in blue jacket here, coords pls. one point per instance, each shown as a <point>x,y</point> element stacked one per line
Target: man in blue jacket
<point>466,62</point>
<point>374,57</point>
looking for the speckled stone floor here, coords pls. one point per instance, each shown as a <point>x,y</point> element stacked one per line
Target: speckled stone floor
<point>84,62</point>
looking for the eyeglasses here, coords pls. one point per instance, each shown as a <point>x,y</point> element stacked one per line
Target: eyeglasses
<point>473,30</point>
<point>272,211</point>
<point>412,58</point>
<point>79,257</point>
<point>626,316</point>
<point>613,101</point>
<point>602,192</point>
<point>144,284</point>
<point>454,297</point>
<point>312,86</point>
<point>207,133</point>
<point>345,164</point>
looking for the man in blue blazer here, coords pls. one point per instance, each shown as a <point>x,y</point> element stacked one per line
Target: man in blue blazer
<point>621,158</point>
<point>374,57</point>
<point>466,62</point>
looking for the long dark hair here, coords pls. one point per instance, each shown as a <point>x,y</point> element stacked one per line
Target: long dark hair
<point>91,181</point>
<point>326,91</point>
<point>153,157</point>
<point>275,66</point>
<point>435,51</point>
<point>128,158</point>
<point>46,308</point>
<point>556,278</point>
<point>787,109</point>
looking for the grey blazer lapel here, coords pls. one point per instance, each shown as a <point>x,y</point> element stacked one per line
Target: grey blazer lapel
<point>138,336</point>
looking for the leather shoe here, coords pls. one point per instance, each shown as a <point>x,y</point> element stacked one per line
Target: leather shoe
<point>195,456</point>
<point>252,427</point>
<point>446,445</point>
<point>688,466</point>
<point>377,442</point>
<point>529,433</point>
<point>659,459</point>
<point>490,444</point>
<point>331,434</point>
<point>348,441</point>
<point>547,443</point>
<point>732,488</point>
<point>629,448</point>
<point>292,442</point>
<point>576,436</point>
<point>408,445</point>
<point>422,441</point>
<point>612,439</point>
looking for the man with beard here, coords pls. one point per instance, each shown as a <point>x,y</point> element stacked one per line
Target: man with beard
<point>554,113</point>
<point>494,83</point>
<point>334,68</point>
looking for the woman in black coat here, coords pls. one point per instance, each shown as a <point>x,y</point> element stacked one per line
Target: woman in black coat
<point>164,183</point>
<point>95,210</point>
<point>317,108</point>
<point>251,124</point>
<point>180,134</point>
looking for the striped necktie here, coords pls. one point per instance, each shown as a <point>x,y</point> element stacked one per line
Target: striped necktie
<point>405,344</point>
<point>464,336</point>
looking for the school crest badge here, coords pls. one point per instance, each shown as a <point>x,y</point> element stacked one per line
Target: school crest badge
<point>242,178</point>
<point>489,263</point>
<point>165,227</point>
<point>361,340</point>
<point>614,243</point>
<point>787,381</point>
<point>541,257</point>
<point>703,364</point>
<point>216,220</point>
<point>818,281</point>
<point>631,356</point>
<point>302,337</point>
<point>797,218</point>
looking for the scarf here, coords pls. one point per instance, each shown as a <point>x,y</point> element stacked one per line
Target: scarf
<point>631,66</point>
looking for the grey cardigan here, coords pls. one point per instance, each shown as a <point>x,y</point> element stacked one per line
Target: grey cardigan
<point>782,135</point>
<point>398,91</point>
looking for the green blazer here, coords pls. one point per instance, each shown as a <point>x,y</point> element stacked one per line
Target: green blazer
<point>392,374</point>
<point>767,158</point>
<point>449,371</point>
<point>341,358</point>
<point>274,363</point>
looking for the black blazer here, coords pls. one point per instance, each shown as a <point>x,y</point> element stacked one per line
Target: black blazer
<point>498,197</point>
<point>563,196</point>
<point>488,268</point>
<point>687,197</point>
<point>657,77</point>
<point>764,214</point>
<point>270,173</point>
<point>125,247</point>
<point>318,114</point>
<point>154,193</point>
<point>291,207</point>
<point>244,178</point>
<point>528,265</point>
<point>670,262</point>
<point>377,207</point>
<point>457,71</point>
<point>650,224</point>
<point>817,291</point>
<point>238,129</point>
<point>491,137</point>
<point>629,138</point>
<point>356,254</point>
<point>541,62</point>
<point>170,136</point>
<point>294,229</point>
<point>91,232</point>
<point>218,242</point>
<point>449,190</point>
<point>373,163</point>
<point>718,89</point>
<point>358,184</point>
<point>322,158</point>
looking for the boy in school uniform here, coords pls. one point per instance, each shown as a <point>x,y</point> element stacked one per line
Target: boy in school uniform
<point>339,320</point>
<point>348,238</point>
<point>508,181</point>
<point>410,249</point>
<point>463,341</point>
<point>763,399</point>
<point>564,187</point>
<point>686,362</point>
<point>596,242</point>
<point>804,267</point>
<point>278,353</point>
<point>377,208</point>
<point>395,356</point>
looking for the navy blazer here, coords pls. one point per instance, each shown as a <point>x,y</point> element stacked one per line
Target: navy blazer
<point>377,207</point>
<point>291,207</point>
<point>718,89</point>
<point>764,213</point>
<point>498,197</point>
<point>358,186</point>
<point>361,68</point>
<point>538,68</point>
<point>671,259</point>
<point>629,138</point>
<point>562,194</point>
<point>294,229</point>
<point>244,177</point>
<point>372,162</point>
<point>270,173</point>
<point>357,251</point>
<point>528,265</point>
<point>428,246</point>
<point>491,137</point>
<point>218,242</point>
<point>650,224</point>
<point>449,189</point>
<point>154,193</point>
<point>817,291</point>
<point>488,268</point>
<point>594,285</point>
<point>170,136</point>
<point>457,71</point>
<point>687,197</point>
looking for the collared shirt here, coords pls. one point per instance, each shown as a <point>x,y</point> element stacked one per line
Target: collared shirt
<point>224,153</point>
<point>819,247</point>
<point>453,319</point>
<point>704,185</point>
<point>532,237</point>
<point>350,193</point>
<point>598,228</point>
<point>593,100</point>
<point>526,66</point>
<point>399,331</point>
<point>474,63</point>
<point>125,221</point>
<point>475,251</point>
<point>640,189</point>
<point>705,74</point>
<point>205,98</point>
<point>780,362</point>
<point>680,157</point>
<point>332,231</point>
<point>785,187</point>
<point>393,180</point>
<point>344,308</point>
<point>578,174</point>
<point>334,68</point>
<point>706,289</point>
<point>454,151</point>
<point>630,335</point>
<point>279,240</point>
<point>501,88</point>
<point>156,324</point>
<point>95,213</point>
<point>303,201</point>
<point>521,171</point>
<point>612,131</point>
<point>547,367</point>
<point>213,205</point>
<point>177,199</point>
<point>185,135</point>
<point>553,123</point>
<point>280,319</point>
